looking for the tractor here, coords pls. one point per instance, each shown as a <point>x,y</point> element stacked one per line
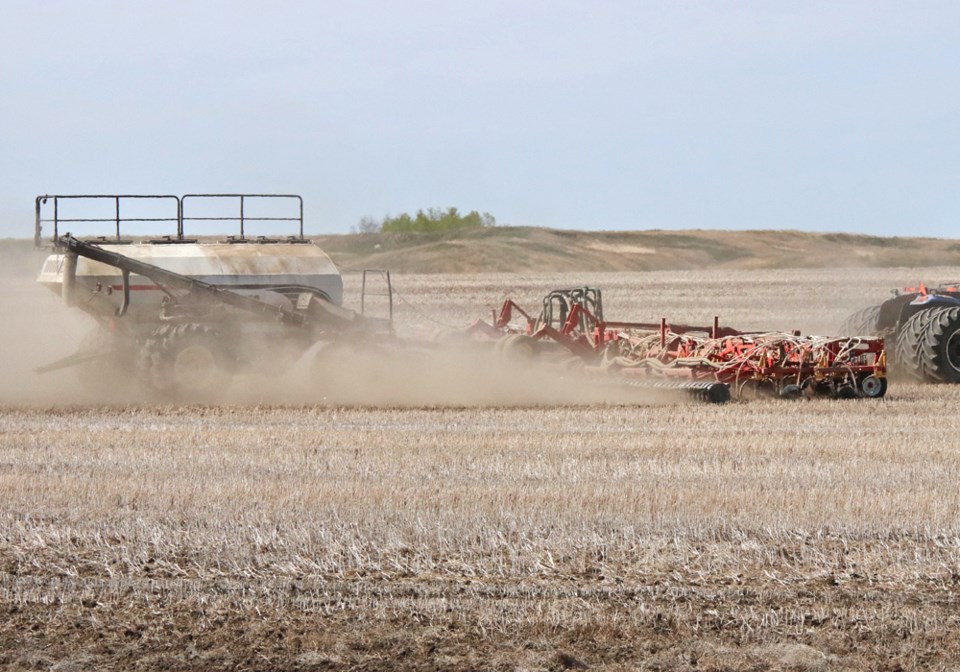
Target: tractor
<point>921,326</point>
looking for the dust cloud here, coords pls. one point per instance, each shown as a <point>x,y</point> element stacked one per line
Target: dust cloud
<point>468,373</point>
<point>37,329</point>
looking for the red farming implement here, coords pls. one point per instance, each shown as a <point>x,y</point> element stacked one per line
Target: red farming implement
<point>714,363</point>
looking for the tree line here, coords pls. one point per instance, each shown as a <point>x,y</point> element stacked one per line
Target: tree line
<point>426,221</point>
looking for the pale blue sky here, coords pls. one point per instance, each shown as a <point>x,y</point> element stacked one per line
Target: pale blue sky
<point>839,116</point>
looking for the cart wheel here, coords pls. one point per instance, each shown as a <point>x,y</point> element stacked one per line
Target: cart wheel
<point>187,362</point>
<point>873,387</point>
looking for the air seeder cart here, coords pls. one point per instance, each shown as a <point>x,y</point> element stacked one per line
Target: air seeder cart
<point>179,314</point>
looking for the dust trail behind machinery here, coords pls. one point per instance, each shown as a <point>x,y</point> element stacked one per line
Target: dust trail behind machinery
<point>37,329</point>
<point>466,374</point>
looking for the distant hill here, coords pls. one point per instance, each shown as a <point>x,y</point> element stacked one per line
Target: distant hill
<point>525,249</point>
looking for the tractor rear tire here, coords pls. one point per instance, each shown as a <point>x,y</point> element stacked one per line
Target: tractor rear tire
<point>940,345</point>
<point>185,362</point>
<point>861,323</point>
<point>908,357</point>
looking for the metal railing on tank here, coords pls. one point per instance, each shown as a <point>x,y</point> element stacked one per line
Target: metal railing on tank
<point>117,218</point>
<point>242,216</point>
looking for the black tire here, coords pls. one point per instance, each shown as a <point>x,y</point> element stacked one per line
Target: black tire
<point>908,358</point>
<point>185,362</point>
<point>861,323</point>
<point>940,345</point>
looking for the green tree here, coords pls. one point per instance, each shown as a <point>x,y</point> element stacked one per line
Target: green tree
<point>436,219</point>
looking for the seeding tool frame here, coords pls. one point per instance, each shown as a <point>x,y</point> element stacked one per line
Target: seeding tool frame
<point>785,364</point>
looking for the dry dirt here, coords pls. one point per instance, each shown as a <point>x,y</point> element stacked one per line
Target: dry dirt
<point>438,532</point>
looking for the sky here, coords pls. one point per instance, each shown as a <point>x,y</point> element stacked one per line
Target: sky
<point>603,115</point>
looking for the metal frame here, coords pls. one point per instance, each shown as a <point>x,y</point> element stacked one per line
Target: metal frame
<point>242,218</point>
<point>364,293</point>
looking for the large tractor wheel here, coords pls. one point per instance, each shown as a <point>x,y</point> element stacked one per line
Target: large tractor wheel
<point>940,345</point>
<point>908,357</point>
<point>188,362</point>
<point>861,323</point>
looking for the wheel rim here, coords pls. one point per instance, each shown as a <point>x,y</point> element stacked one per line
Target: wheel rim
<point>872,387</point>
<point>953,350</point>
<point>195,367</point>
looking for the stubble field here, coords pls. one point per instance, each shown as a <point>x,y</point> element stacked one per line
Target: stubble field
<point>279,532</point>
